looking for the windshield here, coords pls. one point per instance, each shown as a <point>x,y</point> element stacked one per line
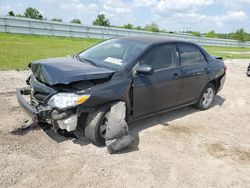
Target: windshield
<point>113,53</point>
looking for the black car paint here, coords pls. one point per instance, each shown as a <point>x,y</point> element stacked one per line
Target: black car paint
<point>174,87</point>
<point>143,94</point>
<point>66,70</point>
<point>146,94</point>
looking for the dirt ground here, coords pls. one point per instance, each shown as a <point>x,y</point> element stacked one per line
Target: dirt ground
<point>183,148</point>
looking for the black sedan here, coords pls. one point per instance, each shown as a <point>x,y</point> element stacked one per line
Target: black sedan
<point>148,74</point>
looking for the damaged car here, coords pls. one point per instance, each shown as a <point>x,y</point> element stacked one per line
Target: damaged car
<point>147,74</point>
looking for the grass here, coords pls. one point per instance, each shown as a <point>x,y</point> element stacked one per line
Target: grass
<point>229,52</point>
<point>17,50</point>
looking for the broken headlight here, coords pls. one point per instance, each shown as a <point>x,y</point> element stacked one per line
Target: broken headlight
<point>67,100</point>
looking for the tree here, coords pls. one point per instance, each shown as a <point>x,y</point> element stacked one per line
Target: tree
<point>33,13</point>
<point>128,26</point>
<point>11,13</point>
<point>196,34</point>
<point>138,28</point>
<point>19,15</point>
<point>56,19</point>
<point>101,20</point>
<point>76,20</point>
<point>240,35</point>
<point>211,34</point>
<point>153,27</point>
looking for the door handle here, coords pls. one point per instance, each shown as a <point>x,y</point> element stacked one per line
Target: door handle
<point>198,73</point>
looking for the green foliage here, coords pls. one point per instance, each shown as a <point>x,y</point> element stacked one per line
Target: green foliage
<point>211,34</point>
<point>56,19</point>
<point>17,51</point>
<point>33,13</point>
<point>19,15</point>
<point>101,20</point>
<point>240,35</point>
<point>138,28</point>
<point>11,13</point>
<point>153,27</point>
<point>196,34</point>
<point>225,35</point>
<point>228,52</point>
<point>128,26</point>
<point>76,21</point>
<point>232,36</point>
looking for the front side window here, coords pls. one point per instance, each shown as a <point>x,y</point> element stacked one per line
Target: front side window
<point>160,57</point>
<point>190,55</point>
<point>113,53</point>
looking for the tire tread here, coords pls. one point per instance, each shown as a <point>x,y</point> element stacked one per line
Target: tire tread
<point>199,105</point>
<point>92,126</point>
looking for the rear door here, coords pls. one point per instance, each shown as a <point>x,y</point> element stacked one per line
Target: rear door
<point>158,91</point>
<point>194,73</point>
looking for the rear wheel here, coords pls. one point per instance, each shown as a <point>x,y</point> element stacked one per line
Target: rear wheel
<point>206,98</point>
<point>96,124</point>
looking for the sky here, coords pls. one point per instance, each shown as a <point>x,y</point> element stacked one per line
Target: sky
<point>223,16</point>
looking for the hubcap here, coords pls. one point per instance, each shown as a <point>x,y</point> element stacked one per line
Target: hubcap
<point>208,97</point>
<point>103,126</point>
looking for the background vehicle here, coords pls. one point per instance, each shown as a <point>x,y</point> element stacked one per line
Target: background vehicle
<point>149,74</point>
<point>248,70</point>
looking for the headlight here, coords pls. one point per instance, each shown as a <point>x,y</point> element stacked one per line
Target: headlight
<point>67,100</point>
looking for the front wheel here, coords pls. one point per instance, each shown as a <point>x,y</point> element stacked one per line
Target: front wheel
<point>96,124</point>
<point>206,98</point>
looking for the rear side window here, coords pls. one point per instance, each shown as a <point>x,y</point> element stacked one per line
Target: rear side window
<point>160,57</point>
<point>190,55</point>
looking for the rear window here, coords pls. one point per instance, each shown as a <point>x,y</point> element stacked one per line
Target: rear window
<point>190,55</point>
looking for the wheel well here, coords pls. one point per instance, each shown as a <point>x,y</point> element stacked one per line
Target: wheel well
<point>110,103</point>
<point>216,83</point>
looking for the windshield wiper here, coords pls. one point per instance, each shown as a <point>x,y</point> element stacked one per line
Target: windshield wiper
<point>88,60</point>
<point>75,56</point>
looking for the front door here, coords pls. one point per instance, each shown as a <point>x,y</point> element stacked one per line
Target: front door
<point>152,93</point>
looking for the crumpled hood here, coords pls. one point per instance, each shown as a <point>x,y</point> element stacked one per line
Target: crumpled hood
<point>66,70</point>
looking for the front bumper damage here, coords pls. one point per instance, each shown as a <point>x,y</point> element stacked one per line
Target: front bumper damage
<point>66,119</point>
<point>117,134</point>
<point>35,113</point>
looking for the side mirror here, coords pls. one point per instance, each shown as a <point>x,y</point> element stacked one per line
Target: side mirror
<point>145,69</point>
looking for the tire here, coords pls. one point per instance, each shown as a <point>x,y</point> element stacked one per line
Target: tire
<point>206,97</point>
<point>94,123</point>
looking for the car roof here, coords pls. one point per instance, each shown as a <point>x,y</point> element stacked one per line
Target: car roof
<point>150,40</point>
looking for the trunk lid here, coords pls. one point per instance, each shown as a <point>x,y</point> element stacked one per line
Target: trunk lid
<point>66,70</point>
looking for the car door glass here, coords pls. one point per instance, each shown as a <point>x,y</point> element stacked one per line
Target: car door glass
<point>161,57</point>
<point>190,55</point>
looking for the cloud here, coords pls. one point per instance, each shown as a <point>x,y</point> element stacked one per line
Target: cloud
<point>119,12</point>
<point>75,5</point>
<point>70,9</point>
<point>181,5</point>
<point>116,6</point>
<point>200,15</point>
<point>145,2</point>
<point>201,22</point>
<point>6,8</point>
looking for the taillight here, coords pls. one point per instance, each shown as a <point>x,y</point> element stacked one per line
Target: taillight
<point>225,67</point>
